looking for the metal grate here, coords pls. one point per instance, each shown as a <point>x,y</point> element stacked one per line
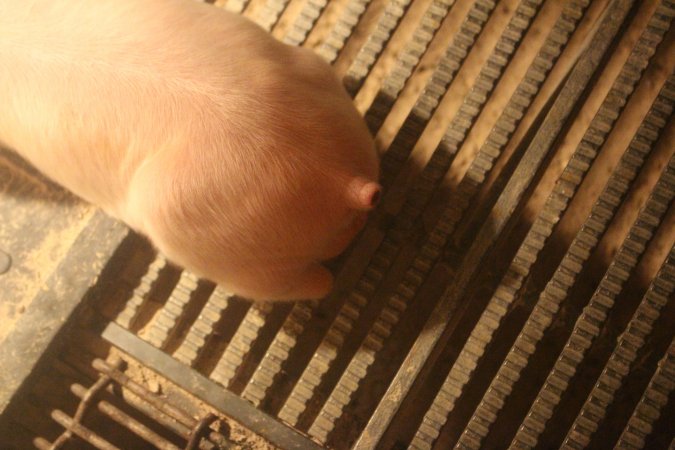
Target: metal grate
<point>104,397</point>
<point>515,286</point>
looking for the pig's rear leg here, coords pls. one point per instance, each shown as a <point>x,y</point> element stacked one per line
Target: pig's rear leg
<point>316,282</point>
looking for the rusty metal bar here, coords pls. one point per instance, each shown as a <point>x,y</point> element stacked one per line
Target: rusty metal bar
<point>164,413</point>
<point>126,421</point>
<point>143,393</point>
<point>225,401</point>
<point>183,424</point>
<point>80,430</point>
<point>87,399</point>
<point>200,429</point>
<point>160,417</point>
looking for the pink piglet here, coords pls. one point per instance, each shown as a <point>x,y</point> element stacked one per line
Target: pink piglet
<point>241,158</point>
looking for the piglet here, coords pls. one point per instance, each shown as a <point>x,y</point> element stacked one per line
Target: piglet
<point>241,158</point>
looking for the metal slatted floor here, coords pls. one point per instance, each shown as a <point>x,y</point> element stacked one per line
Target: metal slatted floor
<point>515,287</point>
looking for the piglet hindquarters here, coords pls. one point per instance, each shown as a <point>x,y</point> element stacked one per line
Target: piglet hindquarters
<point>241,158</point>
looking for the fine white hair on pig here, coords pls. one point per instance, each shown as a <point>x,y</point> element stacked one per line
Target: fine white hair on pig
<point>241,158</point>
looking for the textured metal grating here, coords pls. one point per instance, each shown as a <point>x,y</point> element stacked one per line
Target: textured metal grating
<point>516,285</point>
<point>193,434</point>
<point>453,103</point>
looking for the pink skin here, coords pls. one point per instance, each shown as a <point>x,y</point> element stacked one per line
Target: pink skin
<point>241,158</point>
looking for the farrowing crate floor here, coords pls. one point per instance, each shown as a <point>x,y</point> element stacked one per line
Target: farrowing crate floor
<point>515,286</point>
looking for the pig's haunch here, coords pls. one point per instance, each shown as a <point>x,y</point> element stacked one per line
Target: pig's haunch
<point>241,158</point>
